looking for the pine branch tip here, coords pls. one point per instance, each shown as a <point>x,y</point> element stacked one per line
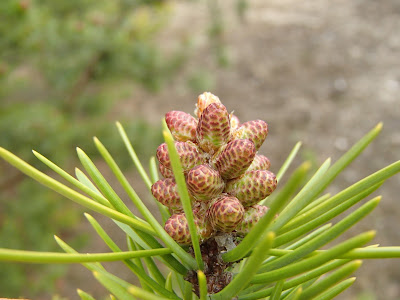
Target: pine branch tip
<point>328,161</point>
<point>358,263</point>
<point>165,134</point>
<point>306,165</point>
<point>376,200</point>
<point>371,233</point>
<point>379,126</point>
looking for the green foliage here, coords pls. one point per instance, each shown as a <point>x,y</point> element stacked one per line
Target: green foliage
<point>72,42</point>
<point>216,30</point>
<point>290,270</point>
<point>201,80</point>
<point>63,64</point>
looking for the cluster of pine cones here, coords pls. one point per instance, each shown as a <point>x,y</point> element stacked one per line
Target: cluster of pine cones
<point>225,176</point>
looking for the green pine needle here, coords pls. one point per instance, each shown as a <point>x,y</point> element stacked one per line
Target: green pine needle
<point>286,164</point>
<point>133,155</point>
<point>84,296</point>
<point>202,285</point>
<point>63,258</point>
<point>277,290</point>
<point>314,261</point>
<point>71,194</point>
<point>336,290</point>
<point>330,280</point>
<point>184,194</point>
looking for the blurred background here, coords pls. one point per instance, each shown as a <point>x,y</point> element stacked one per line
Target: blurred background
<point>321,72</point>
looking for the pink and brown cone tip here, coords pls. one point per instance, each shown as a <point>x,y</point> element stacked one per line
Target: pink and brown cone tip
<point>256,131</point>
<point>213,129</point>
<point>178,228</point>
<point>225,213</point>
<point>203,101</point>
<point>204,183</point>
<point>166,192</point>
<point>251,216</point>
<point>189,154</point>
<point>252,187</point>
<point>235,122</point>
<point>260,162</point>
<point>182,125</point>
<point>235,158</point>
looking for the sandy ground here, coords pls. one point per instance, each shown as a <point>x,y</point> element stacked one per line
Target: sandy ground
<point>323,72</point>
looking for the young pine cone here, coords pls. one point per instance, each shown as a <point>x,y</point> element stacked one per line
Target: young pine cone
<point>251,216</point>
<point>252,187</point>
<point>166,192</point>
<point>225,176</point>
<point>260,162</point>
<point>256,131</point>
<point>182,126</point>
<point>188,152</point>
<point>213,130</point>
<point>203,101</point>
<point>235,158</point>
<point>226,213</point>
<point>204,183</point>
<point>178,228</point>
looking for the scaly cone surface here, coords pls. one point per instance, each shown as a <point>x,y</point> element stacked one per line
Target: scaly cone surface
<point>256,131</point>
<point>166,192</point>
<point>225,176</point>
<point>213,130</point>
<point>182,125</point>
<point>260,162</point>
<point>251,216</point>
<point>236,157</point>
<point>189,154</point>
<point>252,187</point>
<point>204,183</point>
<point>226,213</point>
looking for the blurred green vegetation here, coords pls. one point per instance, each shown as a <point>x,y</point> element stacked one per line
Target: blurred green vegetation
<point>63,66</point>
<point>366,295</point>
